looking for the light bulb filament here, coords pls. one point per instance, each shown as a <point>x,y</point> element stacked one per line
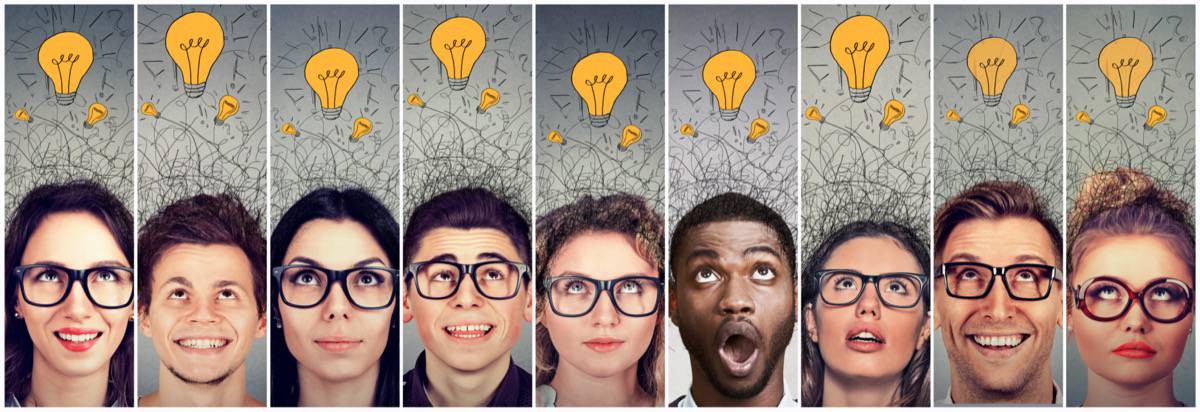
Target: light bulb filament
<point>1124,68</point>
<point>65,81</point>
<point>336,75</point>
<point>727,93</point>
<point>602,79</point>
<point>991,71</point>
<point>198,43</point>
<point>458,48</point>
<point>864,49</point>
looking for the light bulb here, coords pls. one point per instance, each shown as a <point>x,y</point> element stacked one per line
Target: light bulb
<point>194,41</point>
<point>729,75</point>
<point>555,137</point>
<point>1020,112</point>
<point>148,109</point>
<point>415,100</point>
<point>992,61</point>
<point>1082,117</point>
<point>1154,116</point>
<point>952,115</point>
<point>290,130</point>
<point>331,73</point>
<point>758,128</point>
<point>629,135</point>
<point>490,97</point>
<point>362,126</point>
<point>1125,62</point>
<point>811,113</point>
<point>599,78</point>
<point>95,113</point>
<point>893,111</point>
<point>65,57</point>
<point>226,107</point>
<point>23,115</point>
<point>858,45</point>
<point>687,130</point>
<point>458,42</point>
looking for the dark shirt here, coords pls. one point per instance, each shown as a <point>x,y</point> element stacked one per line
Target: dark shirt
<point>516,389</point>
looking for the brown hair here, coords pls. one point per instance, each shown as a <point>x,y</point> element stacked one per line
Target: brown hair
<point>993,200</point>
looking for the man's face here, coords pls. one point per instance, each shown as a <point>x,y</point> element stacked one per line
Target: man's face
<point>978,333</point>
<point>451,328</point>
<point>202,315</point>
<point>734,303</point>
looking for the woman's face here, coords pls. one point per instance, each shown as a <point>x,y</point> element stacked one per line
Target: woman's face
<point>336,340</point>
<point>75,337</point>
<point>899,332</point>
<point>603,342</point>
<point>1136,261</point>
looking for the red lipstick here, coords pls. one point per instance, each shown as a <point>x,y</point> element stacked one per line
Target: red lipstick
<point>604,345</point>
<point>1135,350</point>
<point>76,339</point>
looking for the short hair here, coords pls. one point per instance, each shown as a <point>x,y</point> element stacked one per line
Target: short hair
<point>993,200</point>
<point>729,207</point>
<point>468,208</point>
<point>201,220</point>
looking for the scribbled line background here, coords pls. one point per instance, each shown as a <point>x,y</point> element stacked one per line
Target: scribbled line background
<point>721,158</point>
<point>852,169</point>
<point>55,147</point>
<point>983,147</point>
<point>183,152</point>
<point>323,155</point>
<point>447,144</point>
<point>1117,138</point>
<point>590,162</point>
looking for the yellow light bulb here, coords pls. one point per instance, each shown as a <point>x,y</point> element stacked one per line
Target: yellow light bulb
<point>148,109</point>
<point>758,128</point>
<point>858,45</point>
<point>290,130</point>
<point>599,78</point>
<point>490,97</point>
<point>729,75</point>
<point>226,107</point>
<point>331,73</point>
<point>458,42</point>
<point>555,137</point>
<point>1082,117</point>
<point>65,57</point>
<point>96,112</point>
<point>1020,112</point>
<point>194,41</point>
<point>629,135</point>
<point>415,100</point>
<point>23,115</point>
<point>992,61</point>
<point>812,113</point>
<point>687,130</point>
<point>362,126</point>
<point>952,115</point>
<point>893,111</point>
<point>1125,62</point>
<point>1154,116</point>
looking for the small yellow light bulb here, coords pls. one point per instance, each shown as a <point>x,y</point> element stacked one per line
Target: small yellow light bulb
<point>415,100</point>
<point>758,128</point>
<point>893,111</point>
<point>1020,112</point>
<point>555,137</point>
<point>148,109</point>
<point>629,135</point>
<point>952,115</point>
<point>226,108</point>
<point>96,112</point>
<point>1154,116</point>
<point>813,114</point>
<point>490,97</point>
<point>362,126</point>
<point>23,115</point>
<point>1082,117</point>
<point>688,130</point>
<point>290,130</point>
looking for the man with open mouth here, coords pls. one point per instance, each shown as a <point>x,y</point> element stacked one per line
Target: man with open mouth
<point>733,298</point>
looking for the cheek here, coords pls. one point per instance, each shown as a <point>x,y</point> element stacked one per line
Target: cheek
<point>117,321</point>
<point>1173,337</point>
<point>293,320</point>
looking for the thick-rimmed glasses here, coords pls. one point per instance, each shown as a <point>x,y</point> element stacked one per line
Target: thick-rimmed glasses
<point>973,280</point>
<point>494,279</point>
<point>1105,298</point>
<point>306,286</point>
<point>108,287</point>
<point>574,296</point>
<point>844,287</point>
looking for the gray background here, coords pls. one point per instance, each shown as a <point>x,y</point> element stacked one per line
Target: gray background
<point>1167,153</point>
<point>982,147</point>
<point>720,158</point>
<point>183,153</point>
<point>448,145</point>
<point>55,147</point>
<point>323,155</point>
<point>590,163</point>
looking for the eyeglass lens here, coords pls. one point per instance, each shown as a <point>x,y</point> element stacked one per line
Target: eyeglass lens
<point>573,296</point>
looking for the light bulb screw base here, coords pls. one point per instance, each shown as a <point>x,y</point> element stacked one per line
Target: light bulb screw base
<point>64,99</point>
<point>1125,102</point>
<point>87,125</point>
<point>860,95</point>
<point>194,90</point>
<point>331,114</point>
<point>991,101</point>
<point>479,110</point>
<point>600,121</point>
<point>729,114</point>
<point>458,84</point>
<point>218,122</point>
<point>884,126</point>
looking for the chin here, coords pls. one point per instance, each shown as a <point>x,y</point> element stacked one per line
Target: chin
<point>1133,375</point>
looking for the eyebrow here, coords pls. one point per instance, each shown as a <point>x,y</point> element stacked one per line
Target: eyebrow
<point>226,283</point>
<point>1032,258</point>
<point>577,274</point>
<point>763,249</point>
<point>313,262</point>
<point>703,253</point>
<point>492,256</point>
<point>180,280</point>
<point>448,257</point>
<point>962,256</point>
<point>93,265</point>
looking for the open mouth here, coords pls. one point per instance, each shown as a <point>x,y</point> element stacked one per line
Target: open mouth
<point>203,344</point>
<point>738,347</point>
<point>999,345</point>
<point>469,332</point>
<point>865,341</point>
<point>77,340</point>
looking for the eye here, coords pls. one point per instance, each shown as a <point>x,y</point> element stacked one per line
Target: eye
<point>630,287</point>
<point>306,278</point>
<point>1163,294</point>
<point>1025,275</point>
<point>1107,292</point>
<point>763,272</point>
<point>178,294</point>
<point>104,276</point>
<point>707,276</point>
<point>845,282</point>
<point>48,276</point>
<point>576,287</point>
<point>369,279</point>
<point>443,276</point>
<point>226,294</point>
<point>493,274</point>
<point>968,274</point>
<point>897,288</point>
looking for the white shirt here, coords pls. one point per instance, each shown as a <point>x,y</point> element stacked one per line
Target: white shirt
<point>1058,398</point>
<point>788,400</point>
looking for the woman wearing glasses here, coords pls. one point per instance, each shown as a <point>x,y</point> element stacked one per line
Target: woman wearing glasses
<point>69,288</point>
<point>866,318</point>
<point>335,338</point>
<point>1132,288</point>
<point>599,312</point>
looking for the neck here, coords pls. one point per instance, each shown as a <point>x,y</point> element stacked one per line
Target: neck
<point>1103,392</point>
<point>1038,390</point>
<point>450,387</point>
<point>840,390</point>
<point>49,387</point>
<point>576,388</point>
<point>175,392</point>
<point>354,391</point>
<point>705,394</point>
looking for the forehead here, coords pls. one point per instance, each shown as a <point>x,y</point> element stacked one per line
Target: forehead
<point>873,255</point>
<point>205,265</point>
<point>1000,242</point>
<point>1136,260</point>
<point>76,239</point>
<point>334,242</point>
<point>600,255</point>
<point>730,236</point>
<point>466,245</point>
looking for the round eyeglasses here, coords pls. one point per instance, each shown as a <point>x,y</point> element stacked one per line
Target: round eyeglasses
<point>108,287</point>
<point>1104,298</point>
<point>574,296</point>
<point>306,286</point>
<point>494,279</point>
<point>844,287</point>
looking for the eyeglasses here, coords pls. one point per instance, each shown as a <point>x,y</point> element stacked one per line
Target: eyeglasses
<point>494,279</point>
<point>1104,298</point>
<point>574,296</point>
<point>844,287</point>
<point>972,280</point>
<point>306,286</point>
<point>108,287</point>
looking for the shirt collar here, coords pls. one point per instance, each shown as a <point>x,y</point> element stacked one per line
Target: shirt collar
<point>788,400</point>
<point>1057,400</point>
<point>508,393</point>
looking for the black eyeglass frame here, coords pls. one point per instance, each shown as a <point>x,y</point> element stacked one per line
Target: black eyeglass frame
<point>464,270</point>
<point>74,275</point>
<point>338,277</point>
<point>1138,296</point>
<point>603,286</point>
<point>1001,272</point>
<point>866,280</point>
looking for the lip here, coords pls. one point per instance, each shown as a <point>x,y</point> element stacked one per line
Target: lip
<point>337,343</point>
<point>1135,350</point>
<point>604,345</point>
<point>865,346</point>
<point>747,334</point>
<point>206,351</point>
<point>454,332</point>
<point>77,345</point>
<point>997,352</point>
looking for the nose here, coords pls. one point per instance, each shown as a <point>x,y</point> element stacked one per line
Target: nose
<point>735,297</point>
<point>605,313</point>
<point>203,312</point>
<point>467,296</point>
<point>868,303</point>
<point>336,305</point>
<point>1135,320</point>
<point>997,304</point>
<point>77,307</point>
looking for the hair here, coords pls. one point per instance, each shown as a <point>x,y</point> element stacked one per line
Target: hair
<point>77,196</point>
<point>728,207</point>
<point>201,220</point>
<point>914,384</point>
<point>619,213</point>
<point>468,208</point>
<point>991,201</point>
<point>339,205</point>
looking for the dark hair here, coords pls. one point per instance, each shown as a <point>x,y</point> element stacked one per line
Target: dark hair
<point>993,200</point>
<point>728,207</point>
<point>339,205</point>
<point>77,196</point>
<point>914,384</point>
<point>469,208</point>
<point>202,220</point>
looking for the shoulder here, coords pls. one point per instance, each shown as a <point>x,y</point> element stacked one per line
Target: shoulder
<point>675,403</point>
<point>251,402</point>
<point>148,400</point>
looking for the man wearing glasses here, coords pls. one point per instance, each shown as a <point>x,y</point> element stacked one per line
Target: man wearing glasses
<point>998,295</point>
<point>466,256</point>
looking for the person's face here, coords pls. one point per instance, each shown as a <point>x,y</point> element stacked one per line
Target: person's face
<point>336,340</point>
<point>1136,261</point>
<point>75,337</point>
<point>603,342</point>
<point>734,303</point>
<point>894,334</point>
<point>977,332</point>
<point>202,316</point>
<point>450,327</point>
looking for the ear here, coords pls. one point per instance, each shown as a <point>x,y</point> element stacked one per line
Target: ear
<point>672,306</point>
<point>810,323</point>
<point>407,309</point>
<point>262,326</point>
<point>924,334</point>
<point>529,303</point>
<point>144,321</point>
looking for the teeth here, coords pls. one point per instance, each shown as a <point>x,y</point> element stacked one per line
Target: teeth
<point>469,328</point>
<point>203,343</point>
<point>865,335</point>
<point>78,338</point>
<point>1009,341</point>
